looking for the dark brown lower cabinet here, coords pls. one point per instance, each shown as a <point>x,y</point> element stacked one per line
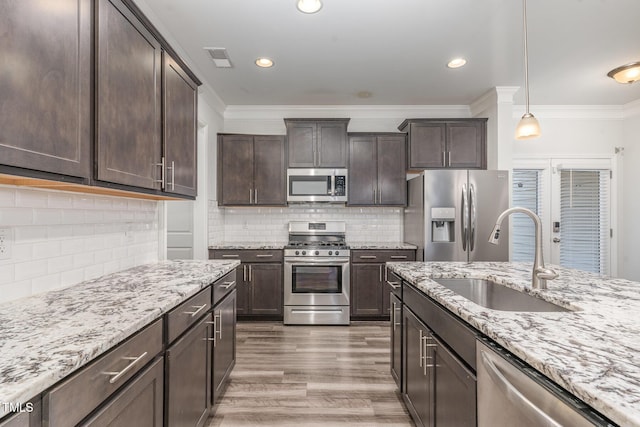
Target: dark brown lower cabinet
<point>366,290</point>
<point>187,373</point>
<point>224,344</point>
<point>417,395</point>
<point>28,415</point>
<point>396,338</point>
<point>140,403</point>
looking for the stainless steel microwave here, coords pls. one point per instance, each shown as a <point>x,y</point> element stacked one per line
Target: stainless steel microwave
<point>317,185</point>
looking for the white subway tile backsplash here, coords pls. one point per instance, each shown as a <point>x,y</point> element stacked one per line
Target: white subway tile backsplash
<point>62,238</point>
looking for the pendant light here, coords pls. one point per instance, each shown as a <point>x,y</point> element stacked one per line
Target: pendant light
<point>528,127</point>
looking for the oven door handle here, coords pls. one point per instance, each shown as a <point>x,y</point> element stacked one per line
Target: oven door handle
<point>316,261</point>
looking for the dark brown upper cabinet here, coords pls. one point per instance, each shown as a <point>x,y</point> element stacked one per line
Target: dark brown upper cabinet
<point>313,143</point>
<point>446,143</point>
<point>180,127</point>
<point>45,87</point>
<point>128,128</point>
<point>377,170</point>
<point>251,170</point>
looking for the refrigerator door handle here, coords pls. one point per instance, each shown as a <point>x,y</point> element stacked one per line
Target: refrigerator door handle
<point>464,214</point>
<point>472,210</point>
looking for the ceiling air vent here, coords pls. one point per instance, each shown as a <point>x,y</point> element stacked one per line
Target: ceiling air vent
<point>220,56</point>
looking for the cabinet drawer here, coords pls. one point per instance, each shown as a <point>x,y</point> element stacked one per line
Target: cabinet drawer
<point>248,255</point>
<point>188,313</point>
<point>394,283</point>
<point>223,286</point>
<point>72,400</point>
<point>382,256</point>
<point>452,331</point>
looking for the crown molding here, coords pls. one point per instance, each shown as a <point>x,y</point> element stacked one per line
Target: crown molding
<point>631,109</point>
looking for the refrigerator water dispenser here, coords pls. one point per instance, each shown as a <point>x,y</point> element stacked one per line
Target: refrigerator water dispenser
<point>443,224</point>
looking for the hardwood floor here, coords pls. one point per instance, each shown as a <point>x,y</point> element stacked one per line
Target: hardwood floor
<point>311,376</point>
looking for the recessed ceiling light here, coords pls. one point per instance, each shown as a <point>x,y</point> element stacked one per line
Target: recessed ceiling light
<point>264,62</point>
<point>309,6</point>
<point>456,63</point>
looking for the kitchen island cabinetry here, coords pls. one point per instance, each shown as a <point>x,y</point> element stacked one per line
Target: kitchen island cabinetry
<point>377,170</point>
<point>45,120</point>
<point>251,170</point>
<point>28,415</point>
<point>369,292</point>
<point>446,143</point>
<point>259,282</point>
<point>317,143</point>
<point>224,343</point>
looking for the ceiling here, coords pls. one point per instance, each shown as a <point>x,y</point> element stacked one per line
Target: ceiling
<point>394,52</point>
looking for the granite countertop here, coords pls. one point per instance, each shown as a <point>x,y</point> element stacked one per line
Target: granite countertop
<point>251,245</point>
<point>594,352</point>
<point>380,246</point>
<point>44,338</point>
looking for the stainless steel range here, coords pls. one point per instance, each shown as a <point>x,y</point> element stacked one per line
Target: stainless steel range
<point>316,274</point>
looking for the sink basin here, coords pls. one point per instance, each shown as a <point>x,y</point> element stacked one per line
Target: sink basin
<point>497,297</point>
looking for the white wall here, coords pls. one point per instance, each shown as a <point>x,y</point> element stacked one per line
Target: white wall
<point>631,193</point>
<point>63,238</point>
<point>582,132</point>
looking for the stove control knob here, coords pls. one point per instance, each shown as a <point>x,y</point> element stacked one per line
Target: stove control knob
<point>337,252</point>
<point>297,252</point>
<point>304,252</point>
<point>330,253</point>
<point>317,252</point>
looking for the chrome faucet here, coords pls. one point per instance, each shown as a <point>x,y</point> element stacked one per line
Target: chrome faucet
<point>540,273</point>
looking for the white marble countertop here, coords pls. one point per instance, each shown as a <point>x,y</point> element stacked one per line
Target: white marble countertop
<point>249,245</point>
<point>594,353</point>
<point>380,246</point>
<point>44,338</point>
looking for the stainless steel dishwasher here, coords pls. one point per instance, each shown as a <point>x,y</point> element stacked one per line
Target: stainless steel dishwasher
<point>511,393</point>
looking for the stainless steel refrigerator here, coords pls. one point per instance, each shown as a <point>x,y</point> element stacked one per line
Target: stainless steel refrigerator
<point>450,214</point>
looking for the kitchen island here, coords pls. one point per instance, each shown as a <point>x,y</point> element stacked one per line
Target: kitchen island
<point>592,351</point>
<point>46,337</point>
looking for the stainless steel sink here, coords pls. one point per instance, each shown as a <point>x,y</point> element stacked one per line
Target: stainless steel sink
<point>497,297</point>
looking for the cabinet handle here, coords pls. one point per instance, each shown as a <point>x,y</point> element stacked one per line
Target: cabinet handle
<point>422,349</point>
<point>368,257</point>
<point>255,198</point>
<point>227,285</point>
<point>379,196</point>
<point>219,332</point>
<point>444,159</point>
<point>250,196</point>
<point>393,315</point>
<point>448,158</point>
<point>173,175</point>
<point>394,285</point>
<point>380,275</point>
<point>375,196</point>
<point>398,257</point>
<point>198,308</point>
<point>264,255</point>
<point>230,256</point>
<point>118,375</point>
<point>244,272</point>
<point>250,273</point>
<point>162,172</point>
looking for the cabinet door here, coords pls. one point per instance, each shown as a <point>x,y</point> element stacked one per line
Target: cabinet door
<point>266,289</point>
<point>396,339</point>
<point>128,127</point>
<point>224,344</point>
<point>301,144</point>
<point>454,390</point>
<point>416,381</point>
<point>331,145</point>
<point>366,289</point>
<point>392,174</point>
<point>45,90</point>
<point>466,144</point>
<point>187,368</point>
<point>427,145</point>
<point>235,170</point>
<point>269,171</point>
<point>362,171</point>
<point>138,404</point>
<point>180,113</point>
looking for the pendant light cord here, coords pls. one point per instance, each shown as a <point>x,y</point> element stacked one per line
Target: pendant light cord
<point>526,54</point>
